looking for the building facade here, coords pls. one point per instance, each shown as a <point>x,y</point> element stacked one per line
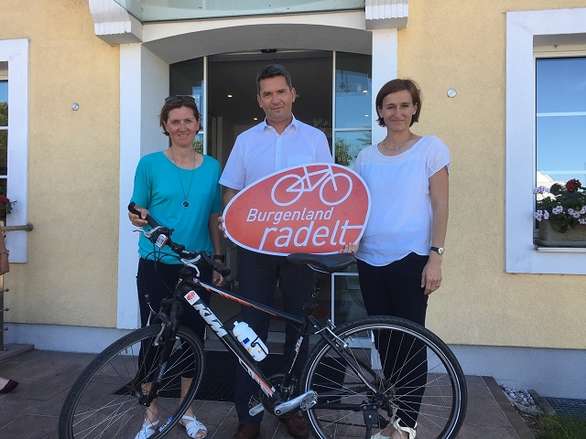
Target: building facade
<point>82,83</point>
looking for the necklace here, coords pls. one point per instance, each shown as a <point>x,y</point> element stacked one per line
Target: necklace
<point>185,202</point>
<point>396,149</point>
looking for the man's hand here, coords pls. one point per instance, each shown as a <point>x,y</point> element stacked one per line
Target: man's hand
<point>138,221</point>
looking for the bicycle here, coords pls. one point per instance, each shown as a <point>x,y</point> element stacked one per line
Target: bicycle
<point>286,192</point>
<point>345,390</point>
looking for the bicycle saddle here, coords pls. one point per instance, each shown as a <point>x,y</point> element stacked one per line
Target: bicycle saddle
<point>329,263</point>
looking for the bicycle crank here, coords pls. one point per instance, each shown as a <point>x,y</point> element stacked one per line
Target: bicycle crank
<point>305,401</point>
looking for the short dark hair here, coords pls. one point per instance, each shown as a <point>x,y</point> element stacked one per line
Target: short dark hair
<point>399,85</point>
<point>270,71</point>
<point>173,102</point>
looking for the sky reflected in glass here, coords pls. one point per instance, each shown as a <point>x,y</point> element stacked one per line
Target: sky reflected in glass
<point>561,120</point>
<point>561,85</point>
<point>561,147</point>
<point>3,91</point>
<point>353,90</point>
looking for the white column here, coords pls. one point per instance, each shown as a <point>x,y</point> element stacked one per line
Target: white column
<point>384,68</point>
<point>130,152</point>
<point>144,84</point>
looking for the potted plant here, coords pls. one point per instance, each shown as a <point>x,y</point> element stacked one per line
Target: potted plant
<point>561,214</point>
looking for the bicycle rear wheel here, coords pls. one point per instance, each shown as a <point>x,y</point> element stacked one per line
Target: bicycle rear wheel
<point>104,401</point>
<point>410,374</point>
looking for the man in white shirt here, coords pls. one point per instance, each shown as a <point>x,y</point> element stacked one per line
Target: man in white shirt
<point>279,142</point>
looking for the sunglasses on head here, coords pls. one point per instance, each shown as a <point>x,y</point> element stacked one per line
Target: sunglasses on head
<point>180,99</point>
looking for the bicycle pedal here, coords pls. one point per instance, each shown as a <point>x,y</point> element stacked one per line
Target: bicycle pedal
<point>304,401</point>
<point>256,410</point>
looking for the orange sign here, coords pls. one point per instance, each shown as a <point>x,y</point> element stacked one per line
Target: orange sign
<point>315,208</point>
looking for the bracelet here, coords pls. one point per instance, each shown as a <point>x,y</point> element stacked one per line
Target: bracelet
<point>220,258</point>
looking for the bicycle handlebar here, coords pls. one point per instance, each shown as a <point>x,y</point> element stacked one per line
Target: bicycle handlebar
<point>179,249</point>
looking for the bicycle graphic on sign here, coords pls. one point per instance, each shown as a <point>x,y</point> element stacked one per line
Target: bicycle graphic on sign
<point>334,187</point>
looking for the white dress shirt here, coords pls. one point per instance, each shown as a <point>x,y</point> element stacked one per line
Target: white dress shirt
<point>261,151</point>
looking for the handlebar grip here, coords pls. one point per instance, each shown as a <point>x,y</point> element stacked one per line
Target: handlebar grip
<point>149,219</point>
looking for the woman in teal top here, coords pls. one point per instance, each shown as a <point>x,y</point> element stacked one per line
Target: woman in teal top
<point>179,188</point>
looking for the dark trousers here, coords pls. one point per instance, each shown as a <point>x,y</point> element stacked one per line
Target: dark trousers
<point>258,277</point>
<point>395,289</point>
<point>158,280</point>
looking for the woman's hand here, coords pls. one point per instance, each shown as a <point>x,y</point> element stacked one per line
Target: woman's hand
<point>431,277</point>
<point>138,221</point>
<point>221,226</point>
<point>350,248</point>
<point>217,278</point>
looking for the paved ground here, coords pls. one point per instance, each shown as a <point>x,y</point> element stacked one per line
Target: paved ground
<point>31,412</point>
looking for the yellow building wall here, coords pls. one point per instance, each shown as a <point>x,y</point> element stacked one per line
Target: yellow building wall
<point>73,174</point>
<point>462,44</point>
<point>70,277</point>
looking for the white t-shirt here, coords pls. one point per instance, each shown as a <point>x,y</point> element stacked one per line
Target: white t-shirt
<point>261,151</point>
<point>400,217</point>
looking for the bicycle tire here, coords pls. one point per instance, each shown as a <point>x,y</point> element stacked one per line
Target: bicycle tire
<point>117,377</point>
<point>438,407</point>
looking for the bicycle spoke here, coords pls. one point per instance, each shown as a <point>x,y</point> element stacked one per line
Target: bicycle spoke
<point>412,376</point>
<point>104,403</point>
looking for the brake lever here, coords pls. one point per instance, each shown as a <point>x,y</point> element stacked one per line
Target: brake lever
<point>192,264</point>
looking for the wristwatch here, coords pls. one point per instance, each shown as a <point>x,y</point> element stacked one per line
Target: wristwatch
<point>439,250</point>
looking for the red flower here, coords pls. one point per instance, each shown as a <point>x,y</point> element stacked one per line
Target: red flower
<point>4,200</point>
<point>573,185</point>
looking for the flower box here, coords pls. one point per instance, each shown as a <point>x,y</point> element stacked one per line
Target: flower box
<point>572,237</point>
<point>561,214</point>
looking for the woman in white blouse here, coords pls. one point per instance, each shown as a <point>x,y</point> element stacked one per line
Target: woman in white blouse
<point>400,255</point>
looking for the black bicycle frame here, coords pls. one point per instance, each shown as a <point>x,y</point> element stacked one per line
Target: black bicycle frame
<point>189,293</point>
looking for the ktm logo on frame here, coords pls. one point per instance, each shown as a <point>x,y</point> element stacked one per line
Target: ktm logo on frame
<point>315,208</point>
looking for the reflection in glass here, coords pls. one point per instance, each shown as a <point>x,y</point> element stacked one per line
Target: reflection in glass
<point>3,192</point>
<point>353,90</point>
<point>349,143</point>
<point>3,103</point>
<point>198,143</point>
<point>561,149</point>
<point>3,152</point>
<point>561,85</point>
<point>348,305</point>
<point>186,78</point>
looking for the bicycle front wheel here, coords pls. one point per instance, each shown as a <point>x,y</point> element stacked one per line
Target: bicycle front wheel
<point>108,400</point>
<point>384,368</point>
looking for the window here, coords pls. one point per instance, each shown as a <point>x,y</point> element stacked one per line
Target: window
<point>14,138</point>
<point>3,132</point>
<point>352,109</point>
<point>561,119</point>
<point>544,125</point>
<point>560,133</point>
<point>188,78</point>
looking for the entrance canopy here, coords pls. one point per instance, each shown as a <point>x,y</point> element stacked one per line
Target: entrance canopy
<point>256,37</point>
<point>158,10</point>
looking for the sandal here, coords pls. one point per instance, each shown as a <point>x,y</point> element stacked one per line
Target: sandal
<point>398,428</point>
<point>147,430</point>
<point>194,428</point>
<point>9,386</point>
